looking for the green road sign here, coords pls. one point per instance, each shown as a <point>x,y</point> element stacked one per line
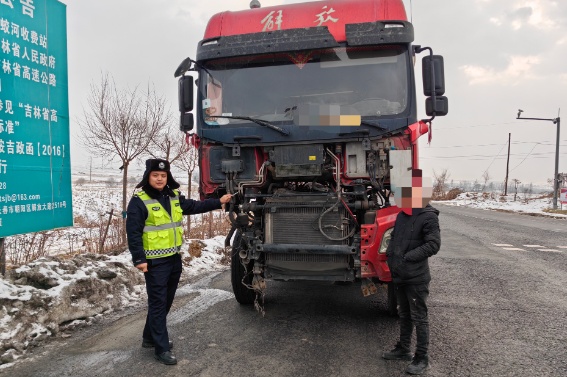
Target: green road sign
<point>35,165</point>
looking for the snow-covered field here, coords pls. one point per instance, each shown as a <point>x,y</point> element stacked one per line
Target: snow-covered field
<point>533,204</point>
<point>55,294</point>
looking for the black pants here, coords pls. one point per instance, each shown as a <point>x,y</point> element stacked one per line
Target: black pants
<point>162,279</point>
<point>412,308</point>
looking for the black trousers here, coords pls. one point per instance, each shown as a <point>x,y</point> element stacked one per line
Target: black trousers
<point>162,279</point>
<point>412,301</point>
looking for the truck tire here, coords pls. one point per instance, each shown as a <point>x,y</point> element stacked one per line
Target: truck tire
<point>392,300</point>
<point>243,294</point>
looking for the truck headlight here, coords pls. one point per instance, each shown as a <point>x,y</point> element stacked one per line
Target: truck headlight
<point>385,241</point>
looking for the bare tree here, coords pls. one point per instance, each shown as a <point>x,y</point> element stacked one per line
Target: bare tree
<point>187,161</point>
<point>439,186</point>
<point>122,123</point>
<point>527,190</point>
<point>169,144</point>
<point>485,179</point>
<point>516,183</point>
<point>476,186</point>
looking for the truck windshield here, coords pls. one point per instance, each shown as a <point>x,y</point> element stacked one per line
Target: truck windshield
<point>364,81</point>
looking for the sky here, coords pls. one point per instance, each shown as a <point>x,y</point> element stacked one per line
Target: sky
<point>500,56</point>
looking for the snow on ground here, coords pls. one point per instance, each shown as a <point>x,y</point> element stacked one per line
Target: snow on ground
<point>526,204</point>
<point>55,294</point>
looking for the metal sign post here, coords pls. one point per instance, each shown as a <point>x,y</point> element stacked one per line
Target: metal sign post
<point>2,258</point>
<point>556,121</point>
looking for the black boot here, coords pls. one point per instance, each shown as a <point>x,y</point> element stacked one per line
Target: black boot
<point>398,353</point>
<point>419,364</point>
<point>166,357</point>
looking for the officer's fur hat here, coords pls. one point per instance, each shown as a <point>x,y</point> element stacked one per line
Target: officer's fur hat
<point>157,164</point>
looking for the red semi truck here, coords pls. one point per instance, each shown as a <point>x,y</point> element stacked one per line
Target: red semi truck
<point>307,113</point>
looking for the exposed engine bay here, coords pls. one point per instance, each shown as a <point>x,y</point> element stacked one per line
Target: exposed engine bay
<point>298,209</point>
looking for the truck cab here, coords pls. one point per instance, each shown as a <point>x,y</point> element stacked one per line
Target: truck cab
<point>307,113</point>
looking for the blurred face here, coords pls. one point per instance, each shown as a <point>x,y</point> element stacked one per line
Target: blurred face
<point>158,179</point>
<point>415,192</point>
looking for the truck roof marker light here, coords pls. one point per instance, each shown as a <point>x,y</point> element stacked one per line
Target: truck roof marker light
<point>210,42</point>
<point>255,4</point>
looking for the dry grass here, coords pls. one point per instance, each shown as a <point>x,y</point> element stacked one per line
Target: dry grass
<point>452,194</point>
<point>196,248</point>
<point>557,211</point>
<point>209,225</point>
<point>24,248</point>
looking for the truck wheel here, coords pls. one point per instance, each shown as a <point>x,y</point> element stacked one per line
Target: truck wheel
<point>243,294</point>
<point>392,300</point>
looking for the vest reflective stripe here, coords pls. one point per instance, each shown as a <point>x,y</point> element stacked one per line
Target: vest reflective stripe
<point>148,228</point>
<point>151,201</point>
<point>163,234</point>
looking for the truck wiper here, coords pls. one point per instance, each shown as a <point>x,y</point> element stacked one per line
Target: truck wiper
<point>261,122</point>
<point>373,125</point>
<point>362,131</point>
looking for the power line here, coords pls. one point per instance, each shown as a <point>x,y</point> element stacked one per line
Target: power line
<point>475,126</point>
<point>489,156</point>
<point>543,142</point>
<point>530,152</point>
<point>494,159</point>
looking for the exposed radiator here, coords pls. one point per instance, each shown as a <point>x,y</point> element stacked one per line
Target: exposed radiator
<point>294,219</point>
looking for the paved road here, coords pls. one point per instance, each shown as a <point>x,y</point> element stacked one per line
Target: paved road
<point>498,307</point>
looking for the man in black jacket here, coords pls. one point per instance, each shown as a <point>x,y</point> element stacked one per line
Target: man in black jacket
<point>415,238</point>
<point>155,235</point>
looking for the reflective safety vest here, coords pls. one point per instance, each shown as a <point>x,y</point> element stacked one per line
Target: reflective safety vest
<point>163,234</point>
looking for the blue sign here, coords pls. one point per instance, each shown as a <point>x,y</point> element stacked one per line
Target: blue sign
<point>35,165</point>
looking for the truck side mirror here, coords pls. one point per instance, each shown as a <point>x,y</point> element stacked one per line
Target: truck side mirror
<point>186,103</point>
<point>185,94</point>
<point>186,122</point>
<point>439,108</point>
<point>433,73</point>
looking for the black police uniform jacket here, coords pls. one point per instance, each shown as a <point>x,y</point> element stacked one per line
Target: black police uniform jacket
<point>137,213</point>
<point>415,238</point>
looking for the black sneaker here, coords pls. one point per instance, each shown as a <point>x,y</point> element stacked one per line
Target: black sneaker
<point>166,357</point>
<point>398,353</point>
<point>150,344</point>
<point>419,364</point>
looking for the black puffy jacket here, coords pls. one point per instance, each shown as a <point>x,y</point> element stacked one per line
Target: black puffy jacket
<point>414,239</point>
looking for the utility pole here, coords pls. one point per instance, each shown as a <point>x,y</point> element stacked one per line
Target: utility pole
<point>556,121</point>
<point>507,166</point>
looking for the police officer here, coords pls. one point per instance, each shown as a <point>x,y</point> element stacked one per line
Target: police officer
<point>155,235</point>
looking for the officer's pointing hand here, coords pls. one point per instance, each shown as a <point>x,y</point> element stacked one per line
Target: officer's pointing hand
<point>225,198</point>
